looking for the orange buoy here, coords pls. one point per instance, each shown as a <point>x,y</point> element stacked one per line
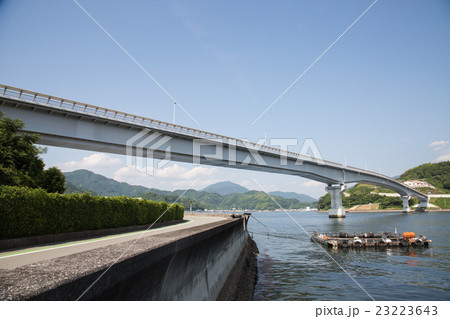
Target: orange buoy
<point>409,235</point>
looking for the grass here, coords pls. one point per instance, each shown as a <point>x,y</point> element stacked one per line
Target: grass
<point>443,203</point>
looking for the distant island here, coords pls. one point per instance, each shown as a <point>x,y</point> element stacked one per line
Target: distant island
<point>219,196</point>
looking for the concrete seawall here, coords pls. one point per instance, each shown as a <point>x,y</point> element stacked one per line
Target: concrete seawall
<point>205,262</point>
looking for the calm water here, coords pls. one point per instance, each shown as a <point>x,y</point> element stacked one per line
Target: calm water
<point>297,269</point>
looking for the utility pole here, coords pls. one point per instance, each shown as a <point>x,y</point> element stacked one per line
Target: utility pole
<point>174,107</point>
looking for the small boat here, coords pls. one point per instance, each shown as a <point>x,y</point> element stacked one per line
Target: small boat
<point>345,240</point>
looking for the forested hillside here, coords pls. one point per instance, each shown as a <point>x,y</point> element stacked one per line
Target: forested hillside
<point>98,184</point>
<point>437,174</point>
<point>363,194</point>
<point>85,181</point>
<point>251,200</point>
<point>225,188</point>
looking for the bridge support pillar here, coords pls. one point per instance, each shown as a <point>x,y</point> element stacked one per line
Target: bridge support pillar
<point>423,204</point>
<point>337,209</point>
<point>405,200</point>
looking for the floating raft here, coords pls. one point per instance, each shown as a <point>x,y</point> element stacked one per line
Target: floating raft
<point>345,240</point>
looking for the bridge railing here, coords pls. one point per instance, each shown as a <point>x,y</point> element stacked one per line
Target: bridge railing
<point>88,109</point>
<point>360,170</point>
<point>101,112</point>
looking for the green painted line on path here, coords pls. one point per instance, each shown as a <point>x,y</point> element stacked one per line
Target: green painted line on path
<point>82,242</point>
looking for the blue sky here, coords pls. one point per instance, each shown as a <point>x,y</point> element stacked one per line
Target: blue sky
<point>379,98</point>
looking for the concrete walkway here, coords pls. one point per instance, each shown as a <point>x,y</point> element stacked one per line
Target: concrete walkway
<point>21,257</point>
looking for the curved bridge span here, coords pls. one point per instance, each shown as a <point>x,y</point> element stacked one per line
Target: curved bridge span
<point>66,123</point>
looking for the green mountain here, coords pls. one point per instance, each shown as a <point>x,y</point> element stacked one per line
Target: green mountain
<point>437,174</point>
<point>251,200</point>
<point>300,197</point>
<point>71,188</point>
<point>225,188</point>
<point>362,194</point>
<point>101,185</point>
<point>86,181</point>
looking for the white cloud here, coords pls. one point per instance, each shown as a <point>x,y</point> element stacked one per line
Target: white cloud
<point>313,188</point>
<point>170,177</point>
<point>249,184</point>
<point>177,172</point>
<point>133,176</point>
<point>442,148</point>
<point>99,163</point>
<point>284,183</point>
<point>313,184</point>
<point>443,158</point>
<point>440,143</point>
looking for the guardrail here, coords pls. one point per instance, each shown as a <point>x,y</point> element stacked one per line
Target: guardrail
<point>92,110</point>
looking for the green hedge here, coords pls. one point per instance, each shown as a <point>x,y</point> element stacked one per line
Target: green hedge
<point>29,212</point>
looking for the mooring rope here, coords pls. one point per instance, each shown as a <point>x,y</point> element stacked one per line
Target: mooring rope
<point>274,235</point>
<point>272,230</point>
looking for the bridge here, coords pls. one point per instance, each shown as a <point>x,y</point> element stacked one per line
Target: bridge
<point>71,124</point>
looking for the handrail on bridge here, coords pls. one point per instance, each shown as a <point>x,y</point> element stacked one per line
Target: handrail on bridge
<point>88,109</point>
<point>92,110</point>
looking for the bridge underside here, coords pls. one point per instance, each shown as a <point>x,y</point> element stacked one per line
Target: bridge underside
<point>112,148</point>
<point>71,129</point>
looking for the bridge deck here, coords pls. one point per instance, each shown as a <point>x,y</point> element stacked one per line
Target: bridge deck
<point>68,123</point>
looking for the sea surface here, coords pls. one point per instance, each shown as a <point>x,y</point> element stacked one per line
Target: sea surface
<point>295,268</point>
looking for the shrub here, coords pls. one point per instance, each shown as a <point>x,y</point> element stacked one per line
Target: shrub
<point>29,212</point>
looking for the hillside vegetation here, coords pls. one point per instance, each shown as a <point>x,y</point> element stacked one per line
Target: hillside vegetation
<point>86,180</point>
<point>73,189</point>
<point>31,199</point>
<point>363,194</point>
<point>225,188</point>
<point>301,197</point>
<point>20,164</point>
<point>29,212</point>
<point>437,174</point>
<point>252,200</point>
<point>233,196</point>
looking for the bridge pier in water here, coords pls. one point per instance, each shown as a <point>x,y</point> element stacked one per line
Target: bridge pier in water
<point>337,210</point>
<point>423,204</point>
<point>405,200</point>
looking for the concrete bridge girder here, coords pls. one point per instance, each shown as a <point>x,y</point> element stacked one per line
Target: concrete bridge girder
<point>78,132</point>
<point>66,128</point>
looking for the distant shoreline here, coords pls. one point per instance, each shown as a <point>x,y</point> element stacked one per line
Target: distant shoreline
<point>385,211</point>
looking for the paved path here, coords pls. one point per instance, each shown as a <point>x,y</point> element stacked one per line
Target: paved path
<point>18,258</point>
